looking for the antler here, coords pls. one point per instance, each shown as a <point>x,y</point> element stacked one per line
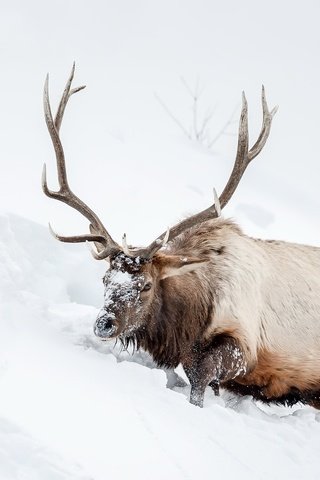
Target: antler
<point>243,158</point>
<point>104,242</point>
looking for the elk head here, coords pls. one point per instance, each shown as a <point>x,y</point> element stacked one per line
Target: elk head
<point>134,274</point>
<point>131,294</point>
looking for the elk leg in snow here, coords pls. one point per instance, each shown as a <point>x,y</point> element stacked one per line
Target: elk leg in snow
<point>215,384</point>
<point>222,360</point>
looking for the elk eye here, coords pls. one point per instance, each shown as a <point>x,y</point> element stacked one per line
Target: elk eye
<point>147,287</point>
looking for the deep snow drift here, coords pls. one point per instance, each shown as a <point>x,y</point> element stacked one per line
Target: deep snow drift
<point>74,408</point>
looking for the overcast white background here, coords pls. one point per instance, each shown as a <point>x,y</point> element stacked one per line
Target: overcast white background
<point>124,153</point>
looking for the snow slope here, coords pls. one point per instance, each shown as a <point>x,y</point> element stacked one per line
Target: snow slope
<point>74,408</point>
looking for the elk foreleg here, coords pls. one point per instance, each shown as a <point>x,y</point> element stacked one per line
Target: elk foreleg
<point>219,362</point>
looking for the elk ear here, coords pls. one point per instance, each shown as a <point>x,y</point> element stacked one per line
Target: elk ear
<point>172,265</point>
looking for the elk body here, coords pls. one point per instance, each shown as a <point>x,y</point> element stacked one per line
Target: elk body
<point>236,312</point>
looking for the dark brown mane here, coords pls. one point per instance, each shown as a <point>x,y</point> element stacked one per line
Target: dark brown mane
<point>164,335</point>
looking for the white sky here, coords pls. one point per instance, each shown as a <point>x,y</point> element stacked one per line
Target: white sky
<point>125,156</point>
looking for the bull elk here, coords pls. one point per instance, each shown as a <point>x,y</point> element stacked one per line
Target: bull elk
<point>236,312</point>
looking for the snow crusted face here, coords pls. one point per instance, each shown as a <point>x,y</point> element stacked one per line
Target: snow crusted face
<point>127,295</point>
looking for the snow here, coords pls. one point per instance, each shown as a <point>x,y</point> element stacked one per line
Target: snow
<point>74,407</point>
<point>22,457</point>
<point>71,406</point>
<point>118,282</point>
<point>122,288</point>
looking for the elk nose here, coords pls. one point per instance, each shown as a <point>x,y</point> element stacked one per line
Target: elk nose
<point>104,326</point>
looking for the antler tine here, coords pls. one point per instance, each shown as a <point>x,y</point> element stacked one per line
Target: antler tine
<point>243,158</point>
<point>64,194</point>
<point>65,97</point>
<point>217,205</point>
<point>125,247</point>
<point>98,255</point>
<point>241,161</point>
<point>265,129</point>
<point>77,238</point>
<point>149,252</point>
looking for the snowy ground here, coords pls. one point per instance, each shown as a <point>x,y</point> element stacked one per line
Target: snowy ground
<point>74,408</point>
<point>70,406</point>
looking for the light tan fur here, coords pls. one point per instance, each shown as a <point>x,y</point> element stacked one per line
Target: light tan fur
<point>267,297</point>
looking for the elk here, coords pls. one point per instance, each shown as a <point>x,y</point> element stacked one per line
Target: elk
<point>237,312</point>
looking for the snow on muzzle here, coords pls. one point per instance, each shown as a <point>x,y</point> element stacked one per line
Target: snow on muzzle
<point>105,325</point>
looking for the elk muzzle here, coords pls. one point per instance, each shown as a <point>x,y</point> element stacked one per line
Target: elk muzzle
<point>105,325</point>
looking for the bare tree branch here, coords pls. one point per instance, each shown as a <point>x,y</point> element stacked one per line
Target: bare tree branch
<point>199,123</point>
<point>172,116</point>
